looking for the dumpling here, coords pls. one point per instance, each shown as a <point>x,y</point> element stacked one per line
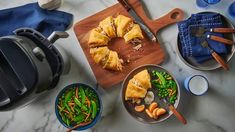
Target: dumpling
<point>96,38</point>
<point>134,91</point>
<point>107,25</point>
<point>113,62</point>
<point>143,78</point>
<point>123,25</point>
<point>134,35</point>
<point>100,54</point>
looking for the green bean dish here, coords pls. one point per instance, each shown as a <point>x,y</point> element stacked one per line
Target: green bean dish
<point>167,87</point>
<point>78,106</point>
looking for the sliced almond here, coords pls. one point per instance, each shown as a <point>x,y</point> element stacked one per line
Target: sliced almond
<point>139,108</point>
<point>152,106</point>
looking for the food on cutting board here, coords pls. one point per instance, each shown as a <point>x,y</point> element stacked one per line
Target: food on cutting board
<point>138,86</point>
<point>109,28</point>
<point>123,25</point>
<point>78,106</point>
<point>167,87</point>
<point>134,36</point>
<point>97,39</point>
<point>107,58</point>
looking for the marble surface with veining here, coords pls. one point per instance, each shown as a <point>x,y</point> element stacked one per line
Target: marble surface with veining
<point>213,112</point>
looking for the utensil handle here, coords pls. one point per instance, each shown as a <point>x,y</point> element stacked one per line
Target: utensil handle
<point>177,114</point>
<point>223,30</point>
<point>125,4</point>
<point>220,61</point>
<point>220,39</point>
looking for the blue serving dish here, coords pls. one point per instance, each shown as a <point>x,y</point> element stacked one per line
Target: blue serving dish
<point>95,120</point>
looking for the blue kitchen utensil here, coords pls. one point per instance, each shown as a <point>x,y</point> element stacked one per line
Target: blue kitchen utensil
<point>196,84</point>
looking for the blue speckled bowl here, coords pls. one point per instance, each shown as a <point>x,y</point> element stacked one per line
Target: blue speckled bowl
<point>98,116</point>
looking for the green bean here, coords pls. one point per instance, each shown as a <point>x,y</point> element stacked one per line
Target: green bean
<point>94,109</point>
<point>62,108</point>
<point>77,102</point>
<point>162,79</point>
<point>68,121</point>
<point>68,96</point>
<point>83,95</point>
<point>65,104</point>
<point>79,118</point>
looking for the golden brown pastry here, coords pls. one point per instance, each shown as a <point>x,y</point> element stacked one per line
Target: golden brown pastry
<point>123,25</point>
<point>143,78</point>
<point>100,54</point>
<point>113,62</point>
<point>107,25</point>
<point>134,91</point>
<point>96,38</point>
<point>134,35</point>
<point>137,86</point>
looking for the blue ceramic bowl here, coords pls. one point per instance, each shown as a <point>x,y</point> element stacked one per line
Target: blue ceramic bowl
<point>95,120</point>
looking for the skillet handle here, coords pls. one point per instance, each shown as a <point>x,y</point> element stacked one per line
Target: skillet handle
<point>220,61</point>
<point>172,17</point>
<point>177,114</point>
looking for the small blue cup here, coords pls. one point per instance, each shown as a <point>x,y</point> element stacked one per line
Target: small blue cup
<point>95,120</point>
<point>202,84</point>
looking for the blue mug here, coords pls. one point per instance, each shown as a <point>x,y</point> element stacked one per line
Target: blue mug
<point>196,84</point>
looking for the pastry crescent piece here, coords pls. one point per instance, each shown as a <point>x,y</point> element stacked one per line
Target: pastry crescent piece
<point>134,35</point>
<point>134,91</point>
<point>97,38</point>
<point>137,87</point>
<point>123,24</point>
<point>100,54</point>
<point>107,25</point>
<point>143,78</point>
<point>107,58</point>
<point>113,62</point>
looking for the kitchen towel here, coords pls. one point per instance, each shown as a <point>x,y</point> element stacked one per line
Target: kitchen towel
<point>191,45</point>
<point>32,16</point>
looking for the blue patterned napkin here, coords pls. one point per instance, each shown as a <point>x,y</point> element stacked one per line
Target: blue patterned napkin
<point>191,45</point>
<point>32,16</point>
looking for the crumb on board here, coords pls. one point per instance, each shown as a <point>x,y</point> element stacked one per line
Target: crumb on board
<point>137,47</point>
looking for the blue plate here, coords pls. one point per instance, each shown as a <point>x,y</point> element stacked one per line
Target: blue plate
<point>95,120</point>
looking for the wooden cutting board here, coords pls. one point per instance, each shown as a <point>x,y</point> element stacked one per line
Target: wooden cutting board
<point>150,53</point>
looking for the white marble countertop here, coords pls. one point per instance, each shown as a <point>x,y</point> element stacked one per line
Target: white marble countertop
<point>211,112</point>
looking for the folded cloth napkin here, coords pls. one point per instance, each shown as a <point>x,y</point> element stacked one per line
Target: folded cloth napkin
<point>191,45</point>
<point>32,16</point>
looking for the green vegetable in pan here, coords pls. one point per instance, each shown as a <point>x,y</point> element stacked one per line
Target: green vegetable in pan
<point>78,105</point>
<point>166,86</point>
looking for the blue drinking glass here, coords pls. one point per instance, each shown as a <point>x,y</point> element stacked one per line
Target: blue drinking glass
<point>206,3</point>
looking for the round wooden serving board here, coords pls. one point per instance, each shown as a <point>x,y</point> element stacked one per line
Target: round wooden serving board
<point>150,53</point>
